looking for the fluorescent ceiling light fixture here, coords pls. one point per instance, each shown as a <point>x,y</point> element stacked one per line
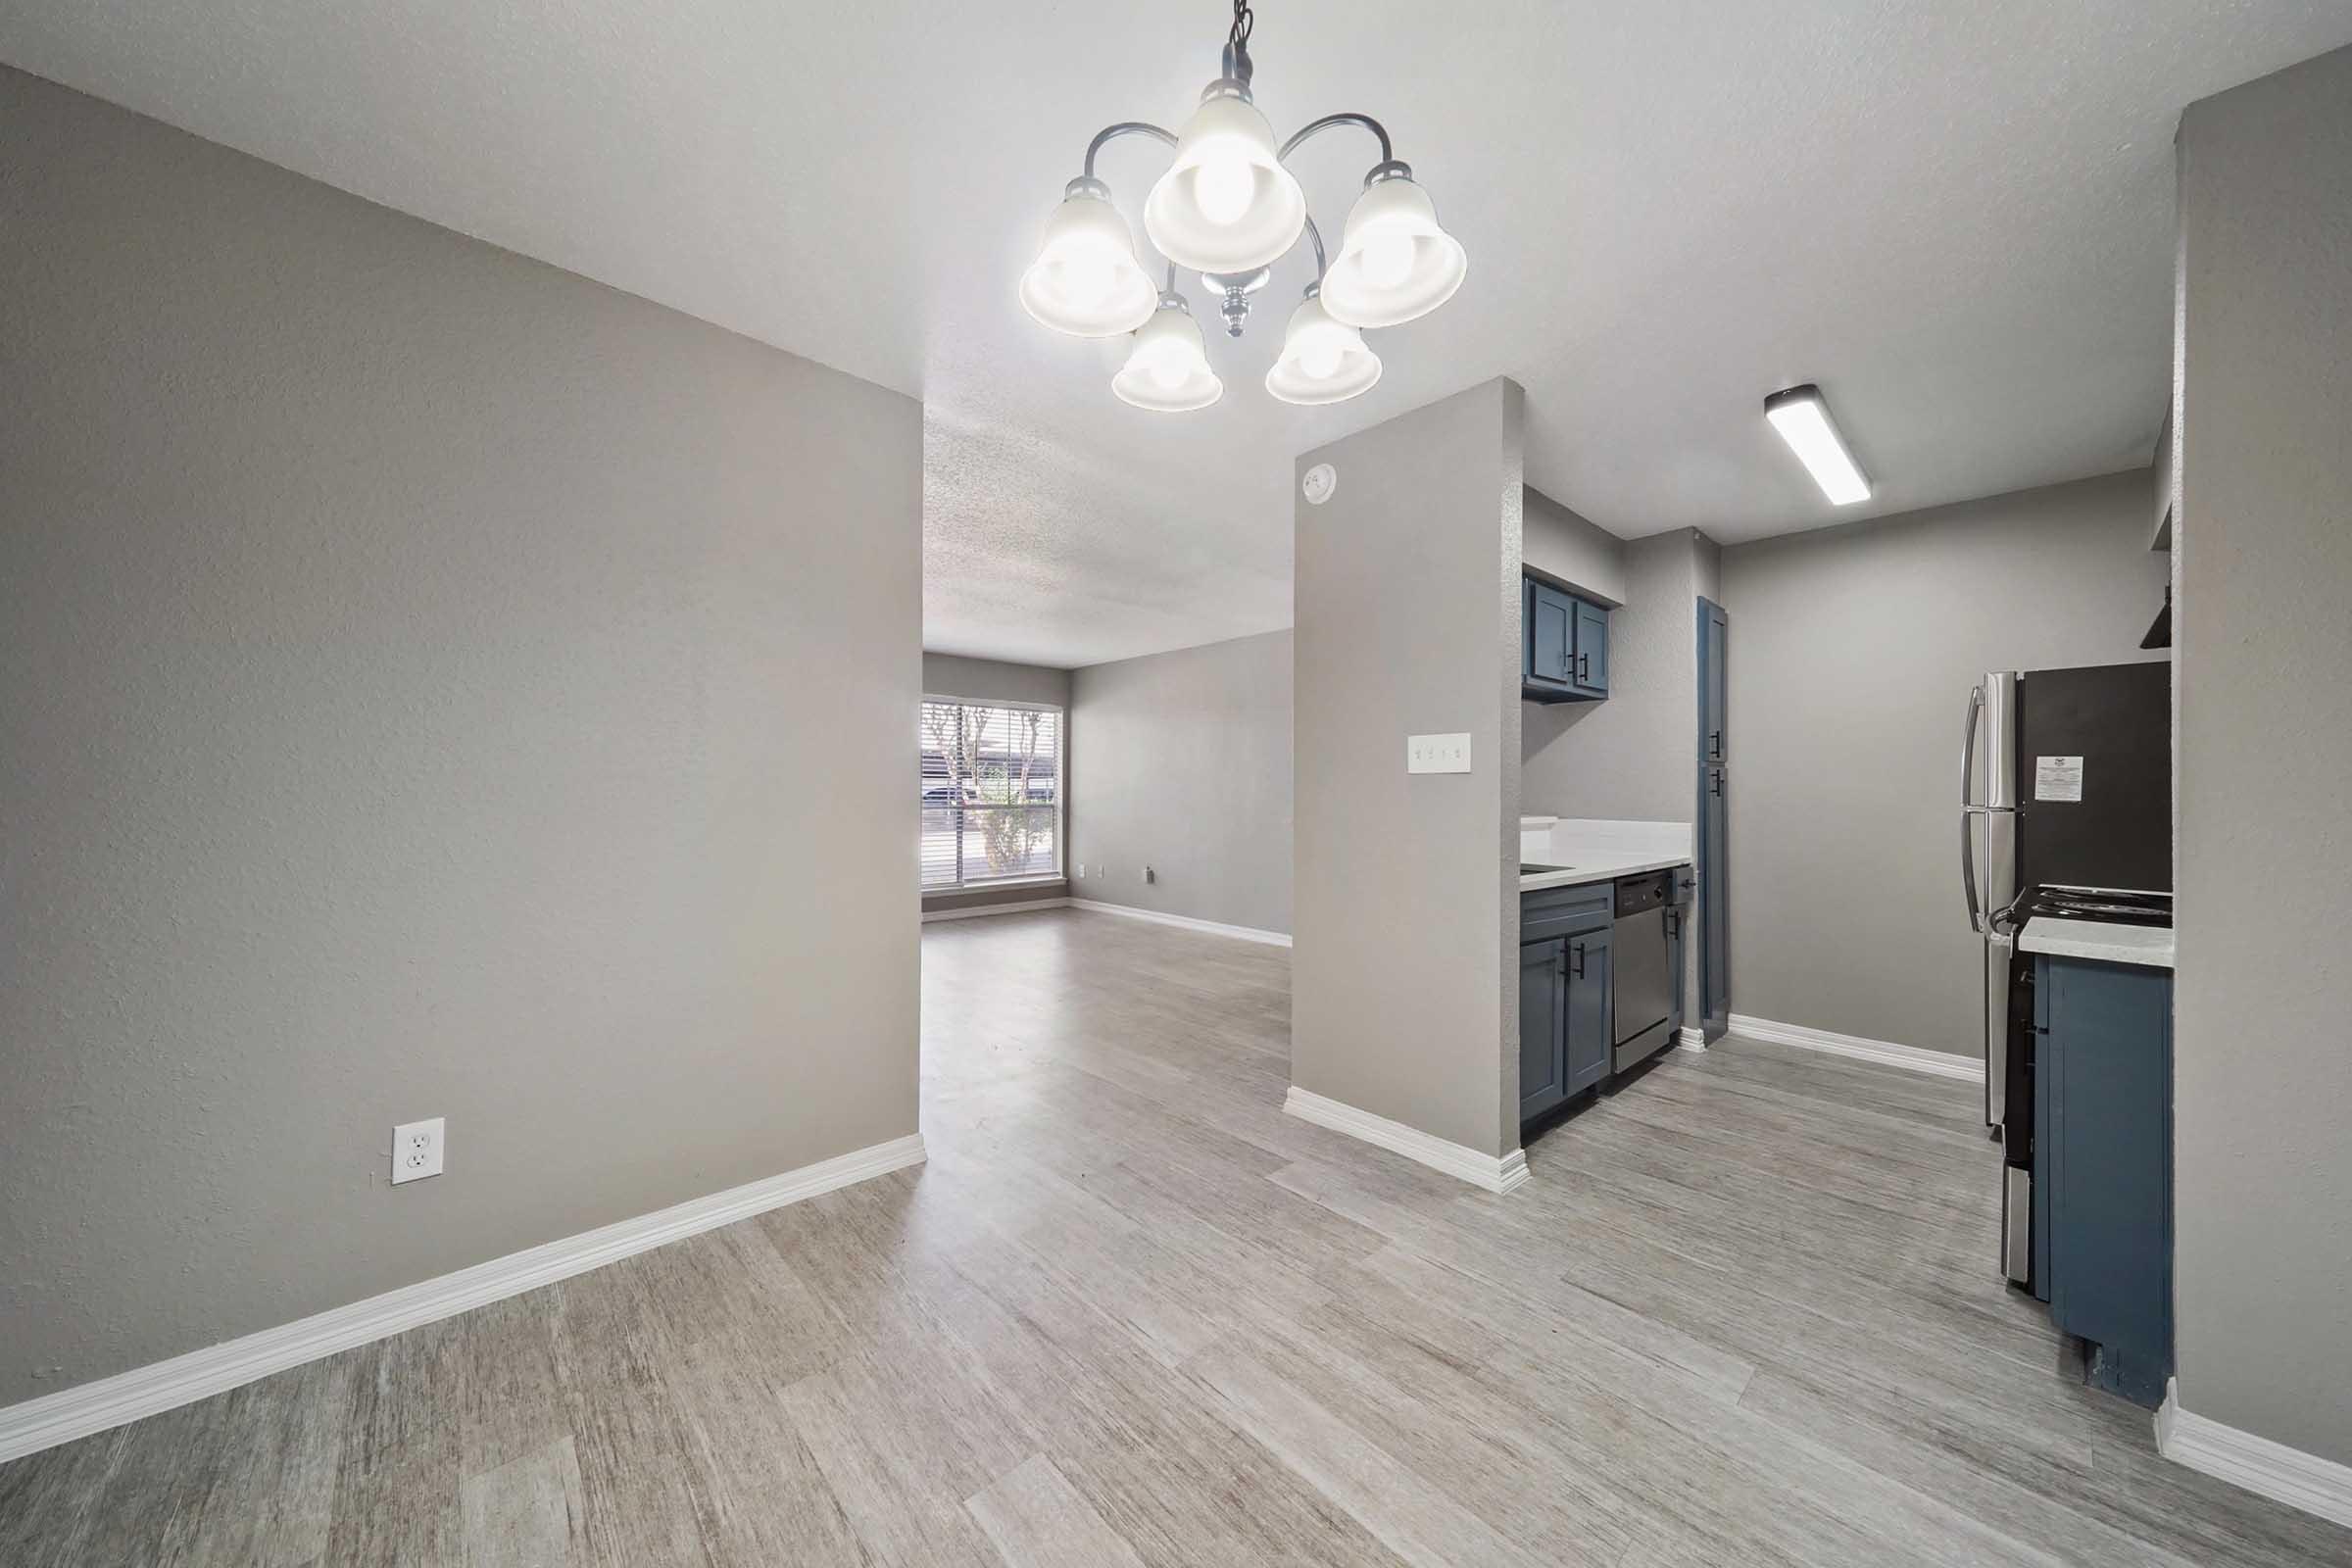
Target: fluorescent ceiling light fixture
<point>1803,419</point>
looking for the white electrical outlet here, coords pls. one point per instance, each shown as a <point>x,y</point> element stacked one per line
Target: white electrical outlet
<point>1437,753</point>
<point>1081,870</point>
<point>417,1151</point>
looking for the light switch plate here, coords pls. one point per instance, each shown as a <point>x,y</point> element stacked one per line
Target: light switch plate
<point>1437,753</point>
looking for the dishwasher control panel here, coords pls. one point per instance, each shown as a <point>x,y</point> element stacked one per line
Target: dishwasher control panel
<point>1651,890</point>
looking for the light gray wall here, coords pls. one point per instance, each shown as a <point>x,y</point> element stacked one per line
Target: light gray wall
<point>1405,891</point>
<point>430,684</point>
<point>1188,770</point>
<point>1851,654</point>
<point>2262,1174</point>
<point>1707,577</point>
<point>1583,555</point>
<point>992,680</point>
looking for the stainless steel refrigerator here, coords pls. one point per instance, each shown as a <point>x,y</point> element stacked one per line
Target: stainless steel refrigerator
<point>2065,793</point>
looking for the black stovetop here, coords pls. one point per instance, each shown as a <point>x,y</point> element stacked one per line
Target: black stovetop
<point>2109,906</point>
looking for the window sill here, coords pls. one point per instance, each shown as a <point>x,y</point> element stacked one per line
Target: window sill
<point>962,889</point>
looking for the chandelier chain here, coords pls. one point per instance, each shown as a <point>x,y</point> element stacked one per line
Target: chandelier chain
<point>1244,19</point>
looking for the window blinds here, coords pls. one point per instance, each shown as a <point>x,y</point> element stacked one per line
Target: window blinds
<point>992,792</point>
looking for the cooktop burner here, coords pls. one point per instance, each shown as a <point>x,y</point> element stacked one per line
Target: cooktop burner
<point>2113,905</point>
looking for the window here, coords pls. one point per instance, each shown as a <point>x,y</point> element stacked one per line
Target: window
<point>992,792</point>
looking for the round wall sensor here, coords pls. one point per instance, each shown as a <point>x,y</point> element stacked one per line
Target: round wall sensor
<point>1320,481</point>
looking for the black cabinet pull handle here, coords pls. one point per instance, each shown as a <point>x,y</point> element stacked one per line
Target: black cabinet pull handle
<point>1584,666</point>
<point>1715,784</point>
<point>1715,745</point>
<point>1576,952</point>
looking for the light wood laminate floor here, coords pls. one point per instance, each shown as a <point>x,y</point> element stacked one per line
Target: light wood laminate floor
<point>1129,1314</point>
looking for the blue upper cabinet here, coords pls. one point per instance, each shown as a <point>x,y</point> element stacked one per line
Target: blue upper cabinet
<point>1592,677</point>
<point>1549,659</point>
<point>1565,657</point>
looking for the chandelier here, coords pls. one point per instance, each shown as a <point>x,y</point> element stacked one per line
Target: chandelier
<point>1228,210</point>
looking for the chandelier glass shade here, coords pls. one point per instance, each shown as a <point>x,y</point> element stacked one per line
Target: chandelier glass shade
<point>1167,370</point>
<point>1226,205</point>
<point>1085,280</point>
<point>1395,265</point>
<point>1323,360</point>
<point>1228,209</point>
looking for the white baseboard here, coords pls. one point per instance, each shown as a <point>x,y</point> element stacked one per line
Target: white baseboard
<point>968,912</point>
<point>1941,1063</point>
<point>1246,933</point>
<point>1690,1039</point>
<point>2270,1469</point>
<point>146,1391</point>
<point>1504,1175</point>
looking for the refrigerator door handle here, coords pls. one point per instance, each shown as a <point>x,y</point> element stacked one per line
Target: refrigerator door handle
<point>1968,809</point>
<point>1968,742</point>
<point>1968,865</point>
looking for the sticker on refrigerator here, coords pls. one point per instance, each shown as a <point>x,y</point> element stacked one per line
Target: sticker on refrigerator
<point>2057,778</point>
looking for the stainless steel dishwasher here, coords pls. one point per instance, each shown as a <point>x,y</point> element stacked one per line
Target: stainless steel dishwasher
<point>1645,984</point>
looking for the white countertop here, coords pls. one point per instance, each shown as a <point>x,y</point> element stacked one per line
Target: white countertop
<point>1600,868</point>
<point>1594,850</point>
<point>2150,946</point>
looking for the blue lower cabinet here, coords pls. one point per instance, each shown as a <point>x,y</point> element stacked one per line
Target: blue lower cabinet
<point>1564,1011</point>
<point>2104,1141</point>
<point>1590,1011</point>
<point>1543,1017</point>
<point>1568,987</point>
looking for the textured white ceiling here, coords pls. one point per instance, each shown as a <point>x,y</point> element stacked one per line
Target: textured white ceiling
<point>1955,216</point>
